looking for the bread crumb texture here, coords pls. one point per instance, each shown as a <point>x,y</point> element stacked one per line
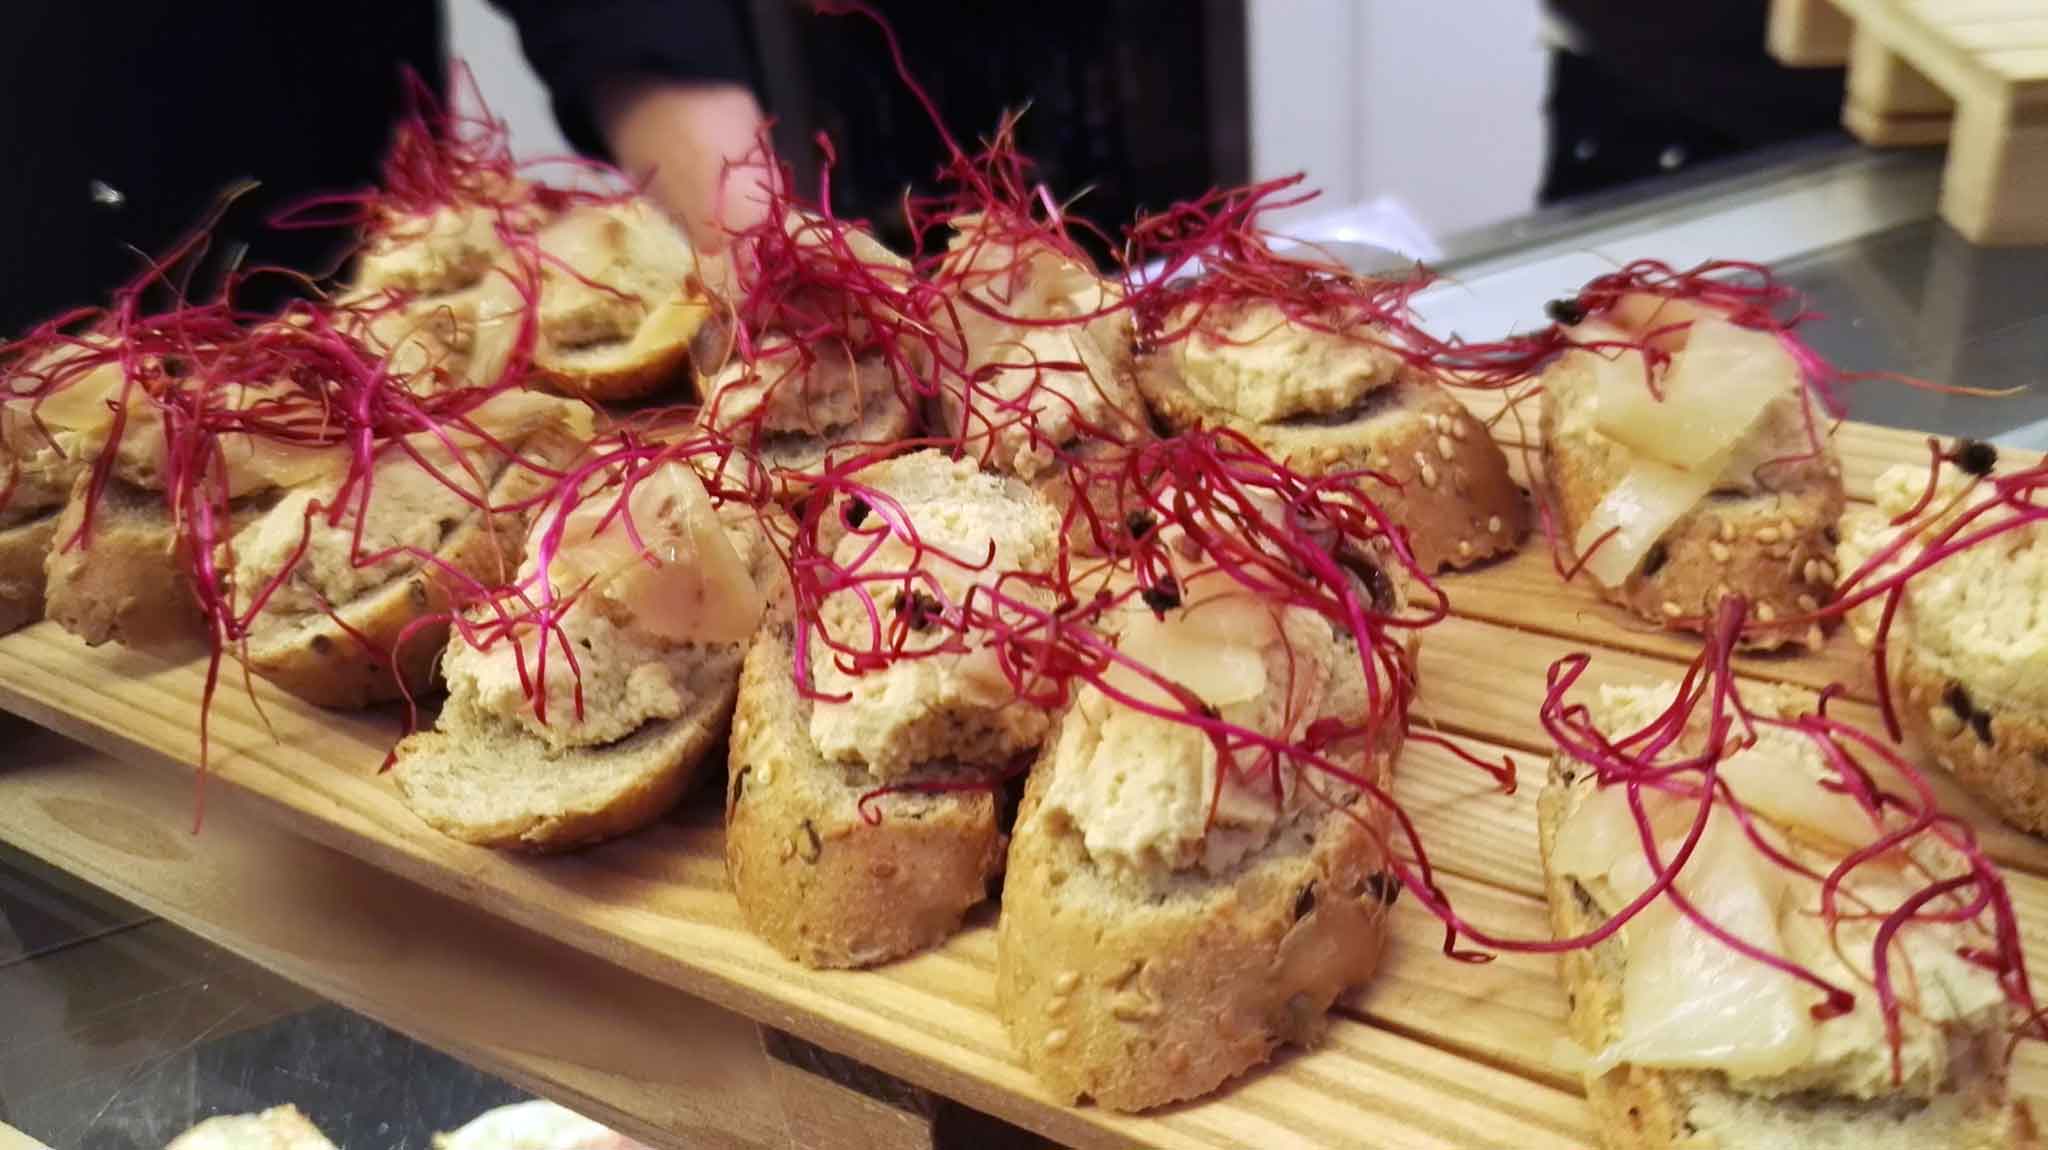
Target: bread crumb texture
<point>954,704</point>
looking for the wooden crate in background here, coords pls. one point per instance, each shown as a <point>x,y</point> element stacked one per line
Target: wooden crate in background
<point>1971,73</point>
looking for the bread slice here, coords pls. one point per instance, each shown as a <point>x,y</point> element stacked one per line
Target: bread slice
<point>352,656</point>
<point>1770,540</point>
<point>1137,992</point>
<point>1967,652</point>
<point>483,780</point>
<point>491,772</point>
<point>24,549</point>
<point>1643,1108</point>
<point>278,1128</point>
<point>1450,486</point>
<point>814,877</point>
<point>619,306</point>
<point>861,409</point>
<point>129,579</point>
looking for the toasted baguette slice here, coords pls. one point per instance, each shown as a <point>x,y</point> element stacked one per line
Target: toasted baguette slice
<point>816,879</point>
<point>1136,993</point>
<point>353,656</point>
<point>1769,537</point>
<point>278,1128</point>
<point>618,318</point>
<point>492,773</point>
<point>1452,491</point>
<point>481,779</point>
<point>129,580</point>
<point>1967,651</point>
<point>836,409</point>
<point>24,549</point>
<point>1643,1108</point>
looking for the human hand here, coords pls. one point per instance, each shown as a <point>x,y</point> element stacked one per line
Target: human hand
<point>702,148</point>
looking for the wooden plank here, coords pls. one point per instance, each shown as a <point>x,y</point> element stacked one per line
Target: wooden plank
<point>1807,33</point>
<point>659,903</point>
<point>669,1069</point>
<point>1997,167</point>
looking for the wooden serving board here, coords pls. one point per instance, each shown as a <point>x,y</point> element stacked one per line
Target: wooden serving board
<point>1434,1053</point>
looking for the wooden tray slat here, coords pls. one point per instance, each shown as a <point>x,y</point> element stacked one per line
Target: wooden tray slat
<point>1433,1053</point>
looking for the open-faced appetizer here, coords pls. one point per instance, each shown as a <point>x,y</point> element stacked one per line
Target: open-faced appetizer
<point>861,811</point>
<point>1965,646</point>
<point>583,697</point>
<point>1685,462</point>
<point>1821,971</point>
<point>816,356</point>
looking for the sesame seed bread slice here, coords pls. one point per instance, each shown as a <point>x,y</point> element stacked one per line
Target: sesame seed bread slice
<point>813,876</point>
<point>620,306</point>
<point>351,655</point>
<point>1135,993</point>
<point>1452,490</point>
<point>482,779</point>
<point>1643,1108</point>
<point>1771,541</point>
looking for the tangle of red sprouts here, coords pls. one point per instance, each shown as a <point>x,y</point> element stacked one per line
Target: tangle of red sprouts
<point>1904,824</point>
<point>1985,508</point>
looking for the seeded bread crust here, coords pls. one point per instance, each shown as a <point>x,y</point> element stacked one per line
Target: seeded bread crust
<point>1452,490</point>
<point>24,548</point>
<point>484,780</point>
<point>1137,995</point>
<point>324,660</point>
<point>1639,1108</point>
<point>127,581</point>
<point>813,877</point>
<point>1776,548</point>
<point>1998,754</point>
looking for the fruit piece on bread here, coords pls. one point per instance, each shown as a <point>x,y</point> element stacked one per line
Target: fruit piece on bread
<point>1715,490</point>
<point>620,307</point>
<point>928,730</point>
<point>278,1128</point>
<point>1321,402</point>
<point>344,596</point>
<point>1692,1044</point>
<point>544,757</point>
<point>1037,370</point>
<point>1150,948</point>
<point>1967,652</point>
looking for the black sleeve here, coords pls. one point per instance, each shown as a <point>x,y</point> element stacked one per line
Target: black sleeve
<point>578,46</point>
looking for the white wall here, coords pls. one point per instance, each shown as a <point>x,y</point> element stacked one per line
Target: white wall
<point>1436,103</point>
<point>480,36</point>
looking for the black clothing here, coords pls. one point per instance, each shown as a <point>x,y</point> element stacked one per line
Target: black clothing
<point>167,104</point>
<point>1648,89</point>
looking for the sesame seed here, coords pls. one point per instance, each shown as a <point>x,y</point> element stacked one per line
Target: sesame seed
<point>1445,447</point>
<point>1464,548</point>
<point>1808,603</point>
<point>1493,525</point>
<point>1765,612</point>
<point>1057,1004</point>
<point>1458,430</point>
<point>1672,610</point>
<point>1056,1039</point>
<point>1428,475</point>
<point>1766,535</point>
<point>1066,982</point>
<point>1421,461</point>
<point>1727,532</point>
<point>1719,551</point>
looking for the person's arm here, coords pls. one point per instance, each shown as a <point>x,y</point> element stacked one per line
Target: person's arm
<point>664,89</point>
